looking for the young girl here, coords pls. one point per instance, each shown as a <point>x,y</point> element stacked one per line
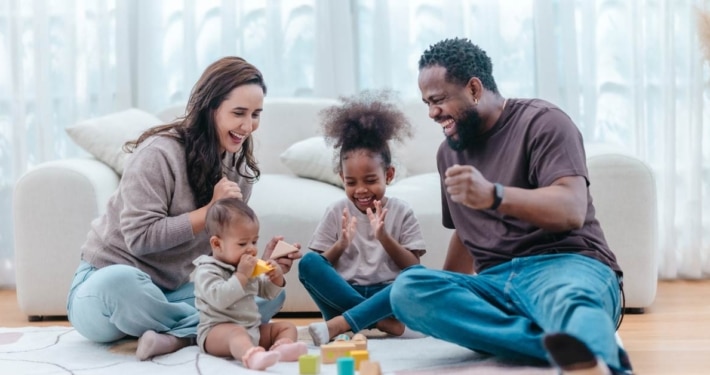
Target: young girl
<point>365,239</point>
<point>230,323</point>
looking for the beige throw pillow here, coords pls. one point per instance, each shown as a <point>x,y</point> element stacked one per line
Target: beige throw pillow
<point>103,137</point>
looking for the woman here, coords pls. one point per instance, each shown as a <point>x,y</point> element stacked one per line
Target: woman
<point>136,262</point>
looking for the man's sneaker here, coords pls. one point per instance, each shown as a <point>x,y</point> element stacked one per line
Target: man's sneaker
<point>573,356</point>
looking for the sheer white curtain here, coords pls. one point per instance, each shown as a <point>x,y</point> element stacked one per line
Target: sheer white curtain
<point>175,40</point>
<point>62,61</point>
<point>627,71</point>
<point>57,65</point>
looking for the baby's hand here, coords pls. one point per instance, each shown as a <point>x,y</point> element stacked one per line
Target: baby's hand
<point>276,275</point>
<point>377,219</point>
<point>246,265</point>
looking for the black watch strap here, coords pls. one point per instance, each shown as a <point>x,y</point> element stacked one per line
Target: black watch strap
<point>497,195</point>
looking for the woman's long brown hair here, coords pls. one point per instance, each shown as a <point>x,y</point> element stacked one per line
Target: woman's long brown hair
<point>197,129</point>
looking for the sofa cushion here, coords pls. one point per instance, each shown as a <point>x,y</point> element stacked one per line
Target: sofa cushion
<point>313,158</point>
<point>103,137</point>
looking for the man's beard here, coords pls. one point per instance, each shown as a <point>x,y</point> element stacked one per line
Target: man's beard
<point>468,129</point>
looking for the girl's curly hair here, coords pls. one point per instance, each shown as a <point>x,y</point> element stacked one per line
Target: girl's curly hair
<point>369,121</point>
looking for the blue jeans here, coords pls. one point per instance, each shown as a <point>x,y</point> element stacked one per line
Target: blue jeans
<point>362,306</point>
<point>507,309</point>
<point>110,303</point>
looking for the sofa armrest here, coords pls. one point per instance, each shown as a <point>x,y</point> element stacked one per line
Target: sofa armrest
<point>53,207</point>
<point>624,192</point>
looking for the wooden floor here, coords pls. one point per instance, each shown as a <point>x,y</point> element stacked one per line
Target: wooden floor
<point>672,337</point>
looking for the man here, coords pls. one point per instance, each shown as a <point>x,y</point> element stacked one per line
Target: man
<point>515,191</point>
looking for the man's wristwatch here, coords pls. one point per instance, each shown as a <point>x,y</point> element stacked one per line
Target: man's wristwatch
<point>497,195</point>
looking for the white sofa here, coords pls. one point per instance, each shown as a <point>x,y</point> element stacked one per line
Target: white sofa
<point>55,202</point>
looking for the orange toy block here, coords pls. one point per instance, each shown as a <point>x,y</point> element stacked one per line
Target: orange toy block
<point>360,341</point>
<point>370,368</point>
<point>261,267</point>
<point>359,356</point>
<point>329,353</point>
<point>282,249</point>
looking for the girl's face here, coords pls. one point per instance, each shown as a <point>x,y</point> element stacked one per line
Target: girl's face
<point>364,178</point>
<point>239,239</point>
<point>238,116</point>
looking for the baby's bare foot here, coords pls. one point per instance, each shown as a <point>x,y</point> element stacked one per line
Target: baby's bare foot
<point>258,359</point>
<point>290,351</point>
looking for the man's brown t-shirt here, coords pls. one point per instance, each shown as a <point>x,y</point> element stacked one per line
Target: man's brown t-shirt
<point>532,144</point>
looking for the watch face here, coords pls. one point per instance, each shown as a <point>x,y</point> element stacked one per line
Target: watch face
<point>497,195</point>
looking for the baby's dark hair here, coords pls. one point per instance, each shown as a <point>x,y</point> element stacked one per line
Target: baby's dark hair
<point>223,213</point>
<point>462,60</point>
<point>367,121</point>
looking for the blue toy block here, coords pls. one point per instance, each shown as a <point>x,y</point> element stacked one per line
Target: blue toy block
<point>346,366</point>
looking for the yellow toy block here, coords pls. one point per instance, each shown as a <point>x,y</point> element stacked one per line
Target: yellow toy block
<point>359,356</point>
<point>370,368</point>
<point>309,364</point>
<point>331,352</point>
<point>261,267</point>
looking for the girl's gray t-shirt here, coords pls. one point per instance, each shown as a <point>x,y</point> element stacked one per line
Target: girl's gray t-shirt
<point>365,261</point>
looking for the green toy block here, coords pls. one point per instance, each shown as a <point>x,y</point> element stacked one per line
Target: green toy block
<point>309,364</point>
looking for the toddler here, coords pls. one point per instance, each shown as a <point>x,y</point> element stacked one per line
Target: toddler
<point>230,324</point>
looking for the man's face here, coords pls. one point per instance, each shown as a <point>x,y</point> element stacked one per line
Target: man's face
<point>450,105</point>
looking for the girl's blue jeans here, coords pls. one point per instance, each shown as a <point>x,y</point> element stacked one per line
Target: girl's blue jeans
<point>506,310</point>
<point>362,306</point>
<point>110,303</point>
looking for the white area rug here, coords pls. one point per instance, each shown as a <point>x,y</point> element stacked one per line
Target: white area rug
<point>61,350</point>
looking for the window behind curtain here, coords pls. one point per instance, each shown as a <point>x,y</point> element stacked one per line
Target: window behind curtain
<point>628,72</point>
<point>184,37</point>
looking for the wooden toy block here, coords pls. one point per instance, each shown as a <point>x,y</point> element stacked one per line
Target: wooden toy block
<point>331,352</point>
<point>360,341</point>
<point>309,364</point>
<point>359,356</point>
<point>368,367</point>
<point>261,267</point>
<point>346,366</point>
<point>282,249</point>
<point>359,337</point>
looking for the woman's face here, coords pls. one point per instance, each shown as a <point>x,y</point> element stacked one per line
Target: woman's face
<point>238,116</point>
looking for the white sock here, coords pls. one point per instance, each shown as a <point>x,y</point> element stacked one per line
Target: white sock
<point>411,334</point>
<point>319,333</point>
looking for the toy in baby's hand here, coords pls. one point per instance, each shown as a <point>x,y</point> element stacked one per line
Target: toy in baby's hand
<point>282,249</point>
<point>261,267</point>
